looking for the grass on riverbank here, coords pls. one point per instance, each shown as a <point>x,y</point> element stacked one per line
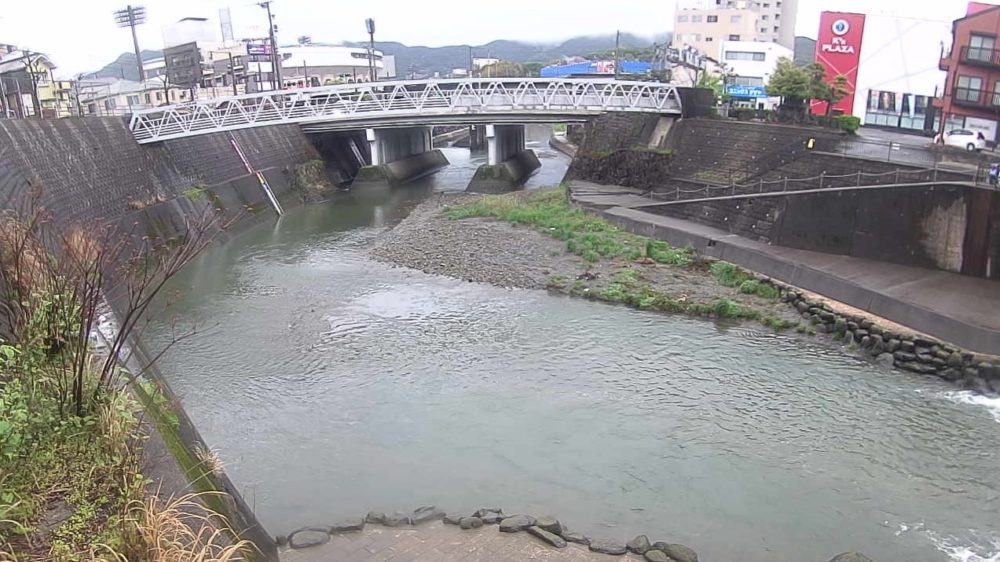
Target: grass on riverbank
<point>595,239</point>
<point>589,237</point>
<point>72,436</point>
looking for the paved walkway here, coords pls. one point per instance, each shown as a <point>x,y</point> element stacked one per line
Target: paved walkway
<point>437,542</point>
<point>958,309</point>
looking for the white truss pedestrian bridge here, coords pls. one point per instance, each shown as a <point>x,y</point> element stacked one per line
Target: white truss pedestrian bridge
<point>408,103</point>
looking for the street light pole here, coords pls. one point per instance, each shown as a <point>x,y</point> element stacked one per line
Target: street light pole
<point>132,16</point>
<point>370,26</point>
<point>276,81</point>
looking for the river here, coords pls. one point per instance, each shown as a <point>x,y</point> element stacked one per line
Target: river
<point>330,385</point>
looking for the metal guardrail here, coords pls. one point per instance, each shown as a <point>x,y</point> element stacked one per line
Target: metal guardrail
<point>422,100</point>
<point>821,181</point>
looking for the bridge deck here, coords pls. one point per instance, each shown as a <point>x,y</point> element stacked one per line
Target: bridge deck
<point>410,102</point>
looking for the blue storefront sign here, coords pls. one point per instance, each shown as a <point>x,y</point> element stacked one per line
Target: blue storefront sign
<point>738,91</point>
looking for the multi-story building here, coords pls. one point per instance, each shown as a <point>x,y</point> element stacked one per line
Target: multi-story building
<point>704,24</point>
<point>749,65</point>
<point>971,97</point>
<point>28,86</point>
<point>891,67</point>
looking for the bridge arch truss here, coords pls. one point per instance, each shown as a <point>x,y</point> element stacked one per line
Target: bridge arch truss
<point>401,103</point>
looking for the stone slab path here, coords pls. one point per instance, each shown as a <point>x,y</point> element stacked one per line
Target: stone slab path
<point>437,542</point>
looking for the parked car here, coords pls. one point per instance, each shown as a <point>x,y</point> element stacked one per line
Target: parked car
<point>963,138</point>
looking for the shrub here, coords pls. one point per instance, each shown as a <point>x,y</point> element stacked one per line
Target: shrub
<point>726,308</point>
<point>848,123</point>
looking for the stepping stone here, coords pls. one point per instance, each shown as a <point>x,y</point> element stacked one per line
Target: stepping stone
<point>607,546</point>
<point>516,523</point>
<point>638,545</point>
<point>470,523</point>
<point>551,538</point>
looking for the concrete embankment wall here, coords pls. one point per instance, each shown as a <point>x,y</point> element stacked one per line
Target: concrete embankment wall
<point>940,226</point>
<point>91,169</point>
<point>648,152</point>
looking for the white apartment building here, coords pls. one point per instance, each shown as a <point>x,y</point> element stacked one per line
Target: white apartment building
<point>750,65</point>
<point>705,24</point>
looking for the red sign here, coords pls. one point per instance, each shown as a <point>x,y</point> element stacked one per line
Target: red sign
<point>838,49</point>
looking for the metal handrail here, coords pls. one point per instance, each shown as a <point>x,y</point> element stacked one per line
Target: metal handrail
<point>408,99</point>
<point>970,54</point>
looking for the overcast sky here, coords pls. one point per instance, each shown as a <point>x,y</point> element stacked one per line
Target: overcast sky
<point>80,35</point>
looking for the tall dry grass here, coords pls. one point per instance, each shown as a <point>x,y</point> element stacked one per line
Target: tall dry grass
<point>178,529</point>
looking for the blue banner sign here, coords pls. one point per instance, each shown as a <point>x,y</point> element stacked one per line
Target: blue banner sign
<point>738,91</point>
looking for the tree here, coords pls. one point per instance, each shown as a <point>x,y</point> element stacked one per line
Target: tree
<point>533,69</point>
<point>503,69</point>
<point>711,81</point>
<point>797,85</point>
<point>792,83</point>
<point>828,92</point>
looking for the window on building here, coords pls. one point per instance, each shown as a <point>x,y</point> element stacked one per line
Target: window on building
<point>763,30</point>
<point>712,19</point>
<point>747,81</point>
<point>996,94</point>
<point>708,39</point>
<point>696,19</point>
<point>763,17</point>
<point>744,55</point>
<point>981,47</point>
<point>766,5</point>
<point>777,16</point>
<point>735,19</point>
<point>776,28</point>
<point>173,95</point>
<point>132,100</point>
<point>682,19</point>
<point>777,4</point>
<point>968,88</point>
<point>734,37</point>
<point>159,96</point>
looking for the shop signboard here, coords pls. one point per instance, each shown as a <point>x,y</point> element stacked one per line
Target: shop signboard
<point>838,50</point>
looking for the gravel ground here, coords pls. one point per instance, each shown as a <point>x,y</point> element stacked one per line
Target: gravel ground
<point>496,252</point>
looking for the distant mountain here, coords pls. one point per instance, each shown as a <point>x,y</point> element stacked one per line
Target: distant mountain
<point>124,66</point>
<point>428,60</point>
<point>425,61</point>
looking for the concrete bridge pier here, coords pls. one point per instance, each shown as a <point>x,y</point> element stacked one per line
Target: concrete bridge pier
<point>509,163</point>
<point>399,155</point>
<point>477,137</point>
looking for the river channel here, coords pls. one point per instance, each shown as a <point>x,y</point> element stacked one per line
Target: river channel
<point>331,385</point>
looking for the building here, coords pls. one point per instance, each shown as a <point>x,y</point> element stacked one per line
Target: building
<point>704,24</point>
<point>28,86</point>
<point>595,68</point>
<point>749,65</point>
<point>317,65</point>
<point>891,66</point>
<point>114,96</point>
<point>971,98</point>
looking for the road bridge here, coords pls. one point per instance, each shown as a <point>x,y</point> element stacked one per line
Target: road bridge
<point>396,116</point>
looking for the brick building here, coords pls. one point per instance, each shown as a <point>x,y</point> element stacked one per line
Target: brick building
<point>971,97</point>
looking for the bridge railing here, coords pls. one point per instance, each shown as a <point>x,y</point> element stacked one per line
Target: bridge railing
<point>382,100</point>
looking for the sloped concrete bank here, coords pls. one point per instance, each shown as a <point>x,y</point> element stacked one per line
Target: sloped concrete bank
<point>88,172</point>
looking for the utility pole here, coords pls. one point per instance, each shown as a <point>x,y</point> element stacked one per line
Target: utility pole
<point>130,17</point>
<point>370,26</point>
<point>276,82</point>
<point>618,48</point>
<point>471,64</point>
<point>232,72</point>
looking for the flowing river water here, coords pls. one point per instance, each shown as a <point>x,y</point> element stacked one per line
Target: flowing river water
<point>330,385</point>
